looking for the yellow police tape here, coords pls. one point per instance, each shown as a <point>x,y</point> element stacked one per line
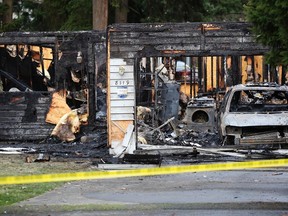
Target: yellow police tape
<point>165,170</point>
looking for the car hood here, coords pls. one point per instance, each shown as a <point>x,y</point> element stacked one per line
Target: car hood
<point>255,119</point>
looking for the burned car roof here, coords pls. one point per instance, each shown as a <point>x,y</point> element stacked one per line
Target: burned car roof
<point>260,86</point>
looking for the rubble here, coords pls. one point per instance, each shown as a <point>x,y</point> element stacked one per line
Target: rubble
<point>15,150</point>
<point>64,151</point>
<point>37,158</point>
<point>175,132</point>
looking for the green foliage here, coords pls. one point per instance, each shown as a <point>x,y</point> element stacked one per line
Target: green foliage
<point>270,18</point>
<point>115,3</point>
<point>225,10</point>
<point>185,10</point>
<point>54,15</point>
<point>80,15</point>
<point>168,10</point>
<point>16,25</point>
<point>3,9</point>
<point>34,16</point>
<point>51,15</point>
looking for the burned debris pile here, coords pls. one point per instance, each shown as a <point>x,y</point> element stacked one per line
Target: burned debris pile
<point>166,115</point>
<point>177,134</point>
<point>92,149</point>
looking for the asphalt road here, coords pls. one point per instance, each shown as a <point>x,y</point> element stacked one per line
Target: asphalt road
<point>246,192</point>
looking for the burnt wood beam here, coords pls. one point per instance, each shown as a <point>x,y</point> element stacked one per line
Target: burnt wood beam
<point>178,39</point>
<point>21,86</point>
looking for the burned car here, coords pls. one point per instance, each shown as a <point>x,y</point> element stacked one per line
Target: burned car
<point>254,114</point>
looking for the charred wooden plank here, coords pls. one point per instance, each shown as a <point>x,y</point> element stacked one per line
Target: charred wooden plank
<point>17,107</point>
<point>15,119</point>
<point>11,113</point>
<point>26,125</point>
<point>22,86</point>
<point>200,39</point>
<point>22,116</point>
<point>21,119</point>
<point>142,159</point>
<point>26,131</point>
<point>22,138</point>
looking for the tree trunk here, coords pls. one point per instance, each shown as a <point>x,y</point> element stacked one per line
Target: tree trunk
<point>100,14</point>
<point>8,15</point>
<point>121,12</point>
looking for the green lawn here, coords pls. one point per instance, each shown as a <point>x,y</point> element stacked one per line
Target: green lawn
<point>10,194</point>
<point>12,165</point>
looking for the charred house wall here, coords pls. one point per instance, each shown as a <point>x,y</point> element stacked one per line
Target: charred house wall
<point>34,65</point>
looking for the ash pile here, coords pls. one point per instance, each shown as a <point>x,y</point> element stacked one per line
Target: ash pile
<point>88,145</point>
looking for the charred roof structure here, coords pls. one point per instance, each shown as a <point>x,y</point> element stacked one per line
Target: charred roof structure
<point>194,39</point>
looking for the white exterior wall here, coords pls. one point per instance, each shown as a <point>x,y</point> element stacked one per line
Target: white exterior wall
<point>122,105</point>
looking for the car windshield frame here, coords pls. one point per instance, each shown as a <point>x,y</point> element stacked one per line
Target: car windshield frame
<point>258,100</point>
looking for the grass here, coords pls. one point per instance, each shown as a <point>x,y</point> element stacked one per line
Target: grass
<point>16,193</point>
<point>13,165</point>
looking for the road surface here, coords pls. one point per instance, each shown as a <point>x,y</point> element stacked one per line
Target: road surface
<point>244,192</point>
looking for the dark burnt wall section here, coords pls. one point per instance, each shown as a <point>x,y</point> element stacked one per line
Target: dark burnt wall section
<point>85,53</point>
<point>190,39</point>
<point>22,113</point>
<point>23,107</point>
<point>22,116</point>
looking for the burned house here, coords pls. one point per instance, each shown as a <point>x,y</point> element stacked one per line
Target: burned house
<point>45,75</point>
<point>164,81</point>
<point>155,70</point>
